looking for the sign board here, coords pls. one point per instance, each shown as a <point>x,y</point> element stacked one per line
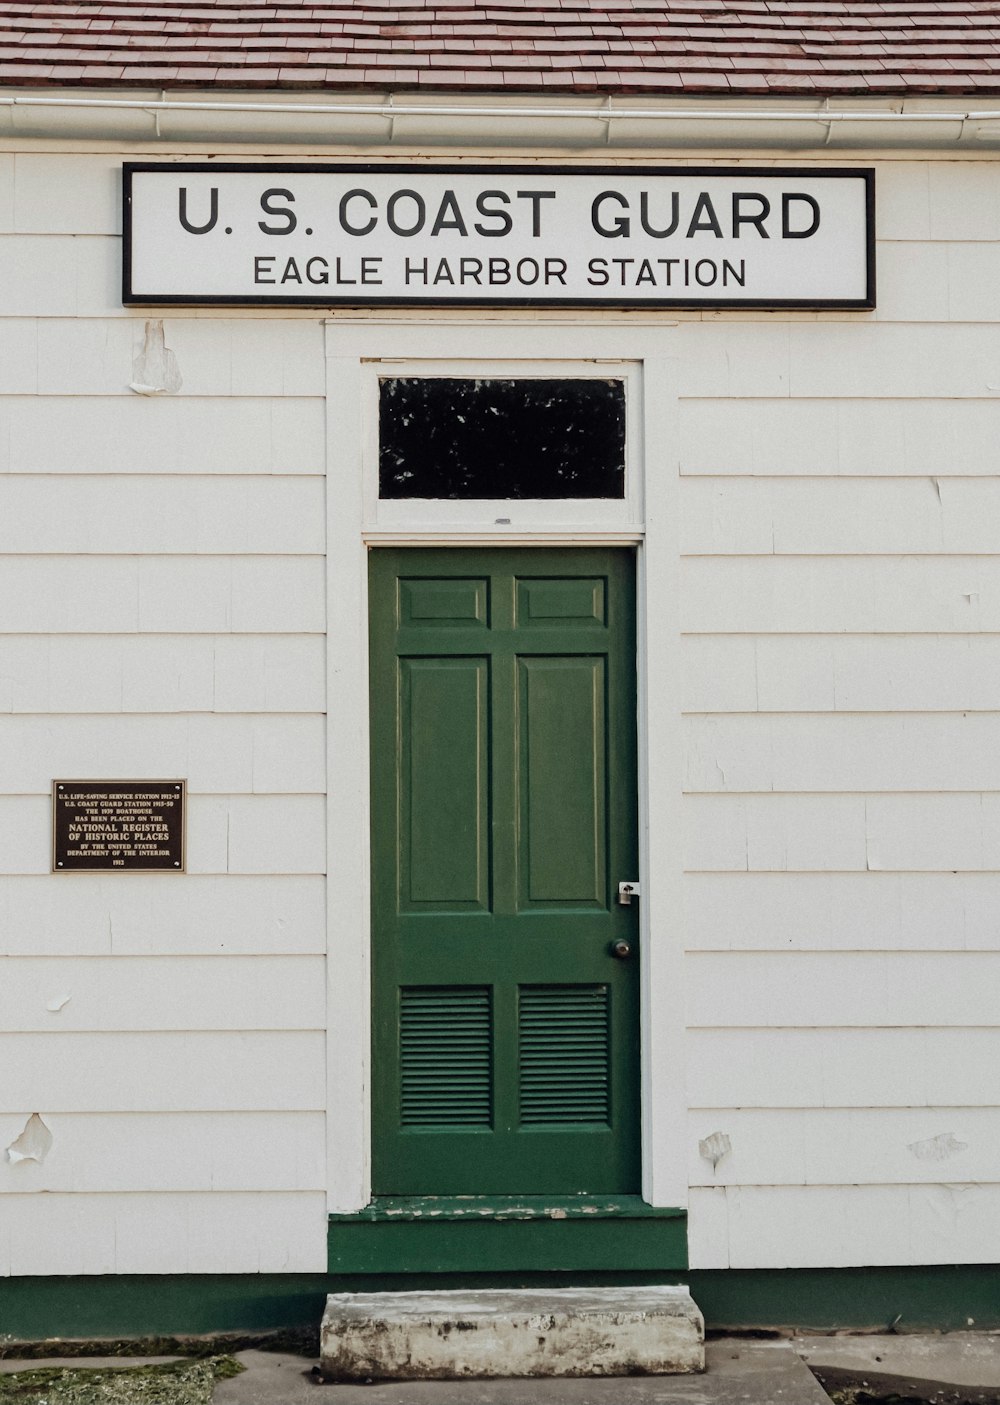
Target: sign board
<point>121,826</point>
<point>498,236</point>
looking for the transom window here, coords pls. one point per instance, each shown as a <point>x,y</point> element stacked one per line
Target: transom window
<point>501,439</point>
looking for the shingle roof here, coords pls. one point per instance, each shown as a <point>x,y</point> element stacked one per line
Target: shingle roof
<point>582,46</point>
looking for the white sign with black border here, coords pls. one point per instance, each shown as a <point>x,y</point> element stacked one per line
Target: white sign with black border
<point>323,235</point>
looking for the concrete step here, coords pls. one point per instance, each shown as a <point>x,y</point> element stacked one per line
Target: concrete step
<point>524,1332</point>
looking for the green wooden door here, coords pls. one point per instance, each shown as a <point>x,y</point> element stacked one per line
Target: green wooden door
<point>505,1056</point>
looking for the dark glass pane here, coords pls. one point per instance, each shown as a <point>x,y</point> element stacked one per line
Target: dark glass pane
<point>501,439</point>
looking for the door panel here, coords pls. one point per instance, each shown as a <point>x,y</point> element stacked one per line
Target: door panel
<point>505,1054</point>
<point>443,812</point>
<point>563,778</point>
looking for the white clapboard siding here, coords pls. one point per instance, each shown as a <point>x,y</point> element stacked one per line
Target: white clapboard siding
<point>162,673</point>
<point>902,200</point>
<point>218,1232</point>
<point>838,1226</point>
<point>956,833</point>
<point>963,200</point>
<point>165,1072</point>
<point>7,191</point>
<point>807,438</point>
<point>64,193</point>
<point>938,751</point>
<point>842,911</point>
<point>169,595</point>
<point>19,356</point>
<point>162,607</point>
<point>816,989</point>
<point>279,594</point>
<point>845,1146</point>
<point>877,359</point>
<point>838,516</point>
<point>732,359</point>
<point>914,283</point>
<point>25,836</point>
<point>973,294</point>
<point>257,834</point>
<point>120,513</point>
<point>170,1151</point>
<point>213,752</point>
<point>937,282</point>
<point>829,673</point>
<point>87,356</point>
<point>278,834</point>
<point>835,359</point>
<point>955,199</point>
<point>840,595</point>
<point>774,833</point>
<point>59,994</point>
<point>160,434</point>
<point>843,1067</point>
<point>718,673</point>
<point>61,275</point>
<point>936,833</point>
<point>149,914</point>
<point>162,603</point>
<point>214,356</point>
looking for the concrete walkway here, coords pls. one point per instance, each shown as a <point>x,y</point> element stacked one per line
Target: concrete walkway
<point>738,1373</point>
<point>960,1368</point>
<point>954,1367</point>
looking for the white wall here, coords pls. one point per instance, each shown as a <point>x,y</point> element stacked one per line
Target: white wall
<point>161,614</point>
<point>841,602</point>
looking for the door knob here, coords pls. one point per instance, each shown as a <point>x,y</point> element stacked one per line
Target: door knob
<point>622,950</point>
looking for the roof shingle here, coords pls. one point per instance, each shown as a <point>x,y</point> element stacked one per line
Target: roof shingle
<point>592,46</point>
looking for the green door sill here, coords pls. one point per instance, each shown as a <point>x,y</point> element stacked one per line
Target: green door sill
<point>520,1234</point>
<point>508,1207</point>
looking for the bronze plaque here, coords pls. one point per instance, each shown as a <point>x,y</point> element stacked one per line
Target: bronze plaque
<point>119,825</point>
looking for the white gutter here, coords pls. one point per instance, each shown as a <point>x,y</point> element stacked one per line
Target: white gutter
<point>436,123</point>
<point>392,109</point>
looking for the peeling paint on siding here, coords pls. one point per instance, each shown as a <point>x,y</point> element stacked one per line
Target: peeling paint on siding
<point>33,1144</point>
<point>155,370</point>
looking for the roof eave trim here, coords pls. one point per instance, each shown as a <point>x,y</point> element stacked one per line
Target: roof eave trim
<point>480,121</point>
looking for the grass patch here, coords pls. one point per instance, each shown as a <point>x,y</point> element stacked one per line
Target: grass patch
<point>188,1382</point>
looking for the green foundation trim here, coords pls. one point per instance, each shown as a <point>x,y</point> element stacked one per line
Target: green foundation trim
<point>148,1305</point>
<point>945,1298</point>
<point>525,1234</point>
<point>940,1298</point>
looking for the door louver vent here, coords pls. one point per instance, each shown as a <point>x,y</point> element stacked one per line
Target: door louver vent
<point>446,1063</point>
<point>564,1054</point>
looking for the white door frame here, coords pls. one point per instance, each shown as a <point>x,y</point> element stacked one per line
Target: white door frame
<point>355,349</point>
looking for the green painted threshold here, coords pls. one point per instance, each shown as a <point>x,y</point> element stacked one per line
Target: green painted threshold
<point>507,1234</point>
<point>508,1207</point>
<point>939,1298</point>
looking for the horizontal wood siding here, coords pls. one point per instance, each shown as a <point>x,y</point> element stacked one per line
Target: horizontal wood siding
<point>840,1226</point>
<point>841,684</point>
<point>162,612</point>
